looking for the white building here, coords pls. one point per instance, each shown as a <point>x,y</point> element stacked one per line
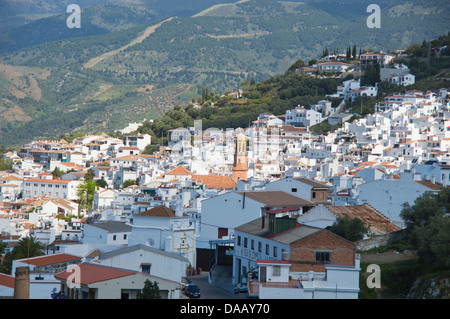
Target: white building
<point>302,117</point>
<point>388,195</point>
<point>146,259</point>
<point>220,215</point>
<point>53,188</point>
<point>106,233</point>
<point>42,271</point>
<point>399,74</point>
<point>294,261</point>
<point>161,228</point>
<point>139,140</point>
<point>336,67</point>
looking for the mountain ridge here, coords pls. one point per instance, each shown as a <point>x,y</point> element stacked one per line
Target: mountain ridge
<point>184,55</point>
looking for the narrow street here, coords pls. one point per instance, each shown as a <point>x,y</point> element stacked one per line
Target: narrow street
<point>219,291</point>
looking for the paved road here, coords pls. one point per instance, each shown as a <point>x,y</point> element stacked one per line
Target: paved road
<point>208,291</point>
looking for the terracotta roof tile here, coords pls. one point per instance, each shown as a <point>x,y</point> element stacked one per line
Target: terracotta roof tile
<point>91,273</point>
<point>158,211</point>
<point>50,259</point>
<point>215,181</point>
<point>7,280</point>
<point>275,198</point>
<point>377,222</point>
<point>179,170</point>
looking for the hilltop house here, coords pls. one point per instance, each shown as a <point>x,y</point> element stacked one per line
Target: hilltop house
<point>398,74</point>
<point>302,117</point>
<point>373,58</point>
<point>336,67</point>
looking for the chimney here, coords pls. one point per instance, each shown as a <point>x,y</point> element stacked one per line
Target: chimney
<point>22,283</point>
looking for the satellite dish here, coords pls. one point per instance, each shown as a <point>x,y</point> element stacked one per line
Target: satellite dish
<point>150,242</point>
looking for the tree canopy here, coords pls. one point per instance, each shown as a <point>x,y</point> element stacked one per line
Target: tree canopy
<point>351,229</point>
<point>150,291</point>
<point>428,226</point>
<point>27,247</point>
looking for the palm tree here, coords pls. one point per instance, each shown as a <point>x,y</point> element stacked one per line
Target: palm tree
<point>28,247</point>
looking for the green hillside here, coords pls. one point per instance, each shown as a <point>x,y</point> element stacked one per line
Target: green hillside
<point>101,82</point>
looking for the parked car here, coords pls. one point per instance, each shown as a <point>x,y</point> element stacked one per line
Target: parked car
<point>192,291</point>
<point>240,287</point>
<point>185,281</point>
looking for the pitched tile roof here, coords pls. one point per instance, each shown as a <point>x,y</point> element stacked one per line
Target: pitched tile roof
<point>39,180</point>
<point>92,273</point>
<point>158,211</point>
<point>179,170</point>
<point>215,181</point>
<point>7,280</point>
<point>310,182</point>
<point>275,198</point>
<point>49,259</point>
<point>429,184</point>
<point>376,221</point>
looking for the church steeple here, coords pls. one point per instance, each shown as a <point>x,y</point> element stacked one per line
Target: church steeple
<point>240,158</point>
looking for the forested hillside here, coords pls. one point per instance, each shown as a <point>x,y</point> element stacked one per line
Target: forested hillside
<point>55,87</point>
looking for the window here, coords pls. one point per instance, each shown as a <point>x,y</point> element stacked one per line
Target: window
<point>323,256</point>
<point>259,246</point>
<point>294,190</point>
<point>125,236</point>
<point>267,249</point>
<point>222,232</point>
<point>245,242</point>
<point>238,240</point>
<point>275,251</point>
<point>145,268</point>
<point>252,245</point>
<point>276,271</point>
<point>114,237</point>
<point>313,194</point>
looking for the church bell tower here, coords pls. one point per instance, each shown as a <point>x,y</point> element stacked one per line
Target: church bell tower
<point>240,158</point>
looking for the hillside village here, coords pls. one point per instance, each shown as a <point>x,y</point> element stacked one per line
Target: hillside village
<point>257,199</point>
